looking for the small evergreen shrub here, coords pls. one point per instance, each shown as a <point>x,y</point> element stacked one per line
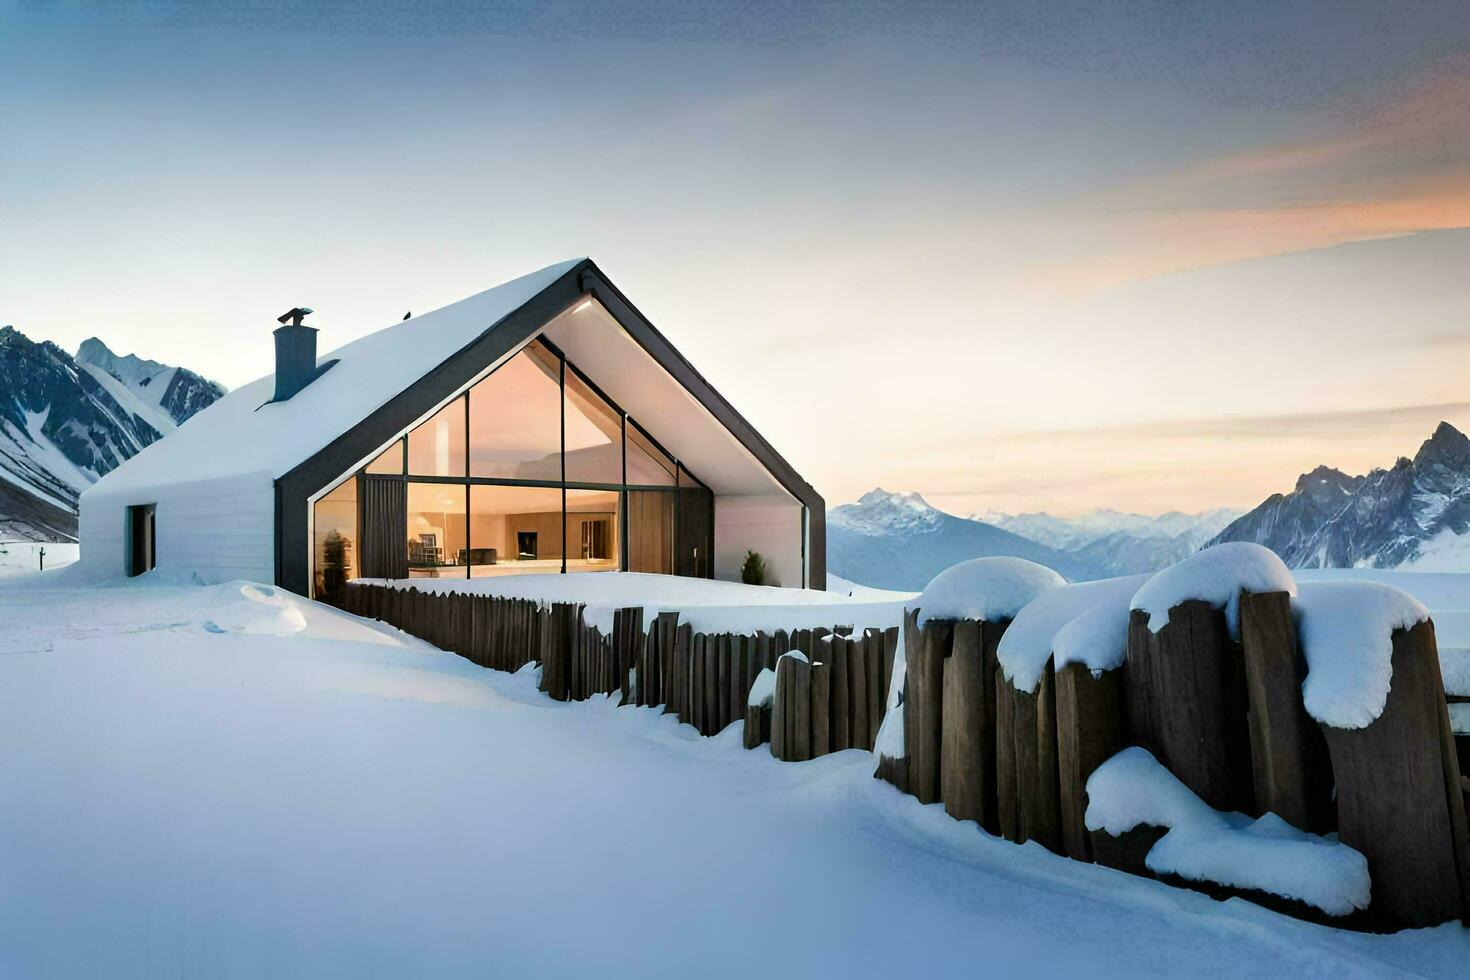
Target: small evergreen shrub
<point>753,569</point>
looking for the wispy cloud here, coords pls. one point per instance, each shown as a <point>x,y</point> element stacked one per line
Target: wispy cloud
<point>1395,168</point>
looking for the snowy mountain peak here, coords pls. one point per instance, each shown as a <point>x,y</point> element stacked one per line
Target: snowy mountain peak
<point>900,541</point>
<point>904,498</point>
<point>168,395</point>
<point>1383,519</point>
<point>1326,481</point>
<point>1447,446</point>
<point>880,511</point>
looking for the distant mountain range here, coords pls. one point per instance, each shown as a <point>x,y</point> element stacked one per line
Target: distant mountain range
<point>65,421</point>
<point>1413,514</point>
<point>900,541</point>
<point>1118,543</point>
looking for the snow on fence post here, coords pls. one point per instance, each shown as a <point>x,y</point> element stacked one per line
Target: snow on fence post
<point>1399,801</point>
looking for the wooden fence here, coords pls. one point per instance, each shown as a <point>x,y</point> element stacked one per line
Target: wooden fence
<point>1225,717</point>
<point>834,699</point>
<point>703,678</point>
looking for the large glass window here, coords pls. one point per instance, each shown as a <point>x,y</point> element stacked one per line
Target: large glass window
<point>436,530</point>
<point>594,544</point>
<point>334,541</point>
<point>515,418</point>
<point>648,466</point>
<point>515,530</point>
<point>594,442</point>
<point>436,448</point>
<point>389,461</point>
<point>531,470</point>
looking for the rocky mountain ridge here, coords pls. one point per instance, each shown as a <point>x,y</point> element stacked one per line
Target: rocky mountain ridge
<point>65,421</point>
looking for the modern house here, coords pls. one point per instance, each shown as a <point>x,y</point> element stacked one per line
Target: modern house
<point>541,426</point>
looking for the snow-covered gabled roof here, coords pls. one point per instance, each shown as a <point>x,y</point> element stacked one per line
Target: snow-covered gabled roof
<point>241,434</point>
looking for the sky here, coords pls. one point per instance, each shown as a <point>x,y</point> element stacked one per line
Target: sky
<point>1146,256</point>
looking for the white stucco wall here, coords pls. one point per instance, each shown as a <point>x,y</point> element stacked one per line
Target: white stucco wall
<point>767,523</point>
<point>211,530</point>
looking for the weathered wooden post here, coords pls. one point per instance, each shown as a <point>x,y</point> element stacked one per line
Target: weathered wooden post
<point>791,716</point>
<point>1187,692</point>
<point>1091,719</point>
<point>627,629</point>
<point>857,679</point>
<point>779,709</point>
<point>664,657</point>
<point>1028,795</point>
<point>1091,729</point>
<point>968,748</point>
<point>1399,799</point>
<point>799,719</point>
<point>1289,760</point>
<point>1187,702</point>
<point>821,681</point>
<point>924,707</point>
<point>889,740</point>
<point>840,694</point>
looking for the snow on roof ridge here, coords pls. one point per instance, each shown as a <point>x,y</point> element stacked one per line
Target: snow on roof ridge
<point>1216,575</point>
<point>1346,633</point>
<point>992,589</point>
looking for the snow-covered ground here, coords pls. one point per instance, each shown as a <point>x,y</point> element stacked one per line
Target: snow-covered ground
<point>24,557</point>
<point>230,781</point>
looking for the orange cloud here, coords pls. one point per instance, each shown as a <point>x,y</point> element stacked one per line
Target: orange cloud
<point>1399,168</point>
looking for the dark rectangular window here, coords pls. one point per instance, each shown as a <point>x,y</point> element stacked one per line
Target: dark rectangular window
<point>142,540</point>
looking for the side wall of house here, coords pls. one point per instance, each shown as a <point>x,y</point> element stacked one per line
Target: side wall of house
<point>767,523</point>
<point>212,531</point>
